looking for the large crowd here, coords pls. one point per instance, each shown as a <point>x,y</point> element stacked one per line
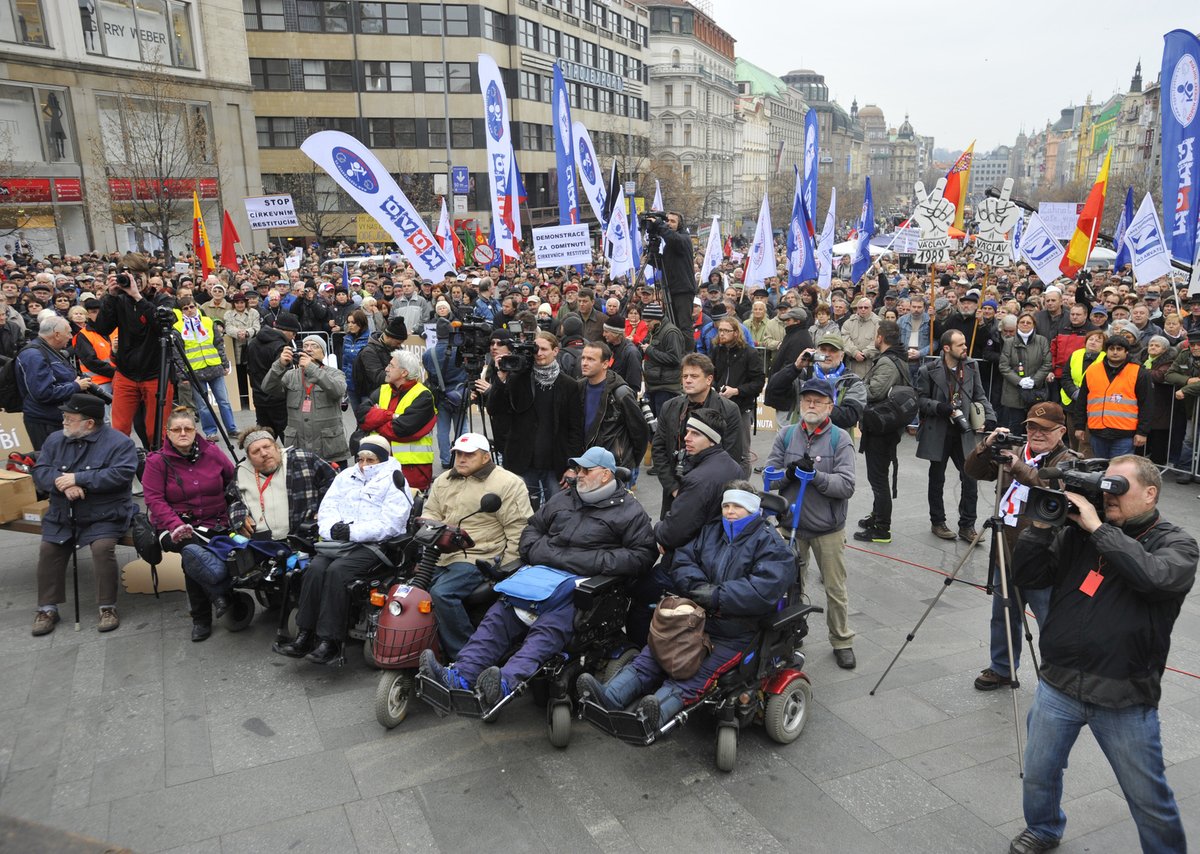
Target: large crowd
<point>566,392</point>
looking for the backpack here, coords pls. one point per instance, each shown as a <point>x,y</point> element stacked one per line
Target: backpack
<point>11,399</point>
<point>895,411</point>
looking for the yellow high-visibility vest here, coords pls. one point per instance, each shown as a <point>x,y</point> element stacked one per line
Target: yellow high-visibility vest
<point>416,453</point>
<point>199,348</point>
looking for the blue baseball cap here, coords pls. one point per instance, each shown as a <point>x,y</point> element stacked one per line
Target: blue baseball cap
<point>816,386</point>
<point>596,457</point>
<point>1099,309</point>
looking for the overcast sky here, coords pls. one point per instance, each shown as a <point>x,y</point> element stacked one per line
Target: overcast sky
<point>962,70</point>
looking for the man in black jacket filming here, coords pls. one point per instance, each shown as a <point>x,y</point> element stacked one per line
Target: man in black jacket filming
<point>1117,585</point>
<point>678,266</point>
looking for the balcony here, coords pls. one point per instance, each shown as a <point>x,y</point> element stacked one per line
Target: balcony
<point>667,69</point>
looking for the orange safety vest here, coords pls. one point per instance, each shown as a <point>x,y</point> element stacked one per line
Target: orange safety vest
<point>103,348</point>
<point>1112,405</point>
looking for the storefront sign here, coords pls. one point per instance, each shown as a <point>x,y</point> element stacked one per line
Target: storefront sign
<point>24,190</point>
<point>68,189</point>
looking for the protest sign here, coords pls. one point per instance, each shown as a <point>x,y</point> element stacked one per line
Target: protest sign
<point>562,245</point>
<point>271,212</point>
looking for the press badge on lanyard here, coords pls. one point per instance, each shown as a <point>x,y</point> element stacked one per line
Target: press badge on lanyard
<point>306,404</point>
<point>1091,583</point>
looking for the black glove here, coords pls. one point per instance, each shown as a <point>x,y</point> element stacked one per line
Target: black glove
<point>704,596</point>
<point>340,531</point>
<point>804,465</point>
<point>944,409</point>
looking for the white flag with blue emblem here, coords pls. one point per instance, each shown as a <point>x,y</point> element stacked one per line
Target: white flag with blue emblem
<point>1147,244</point>
<point>618,245</point>
<point>761,265</point>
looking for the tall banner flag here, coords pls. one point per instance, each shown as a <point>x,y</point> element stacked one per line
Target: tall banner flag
<point>564,153</point>
<point>512,203</point>
<point>500,153</point>
<point>1147,245</point>
<point>658,202</point>
<point>957,181</point>
<point>589,172</point>
<point>614,185</point>
<point>200,244</point>
<point>358,171</point>
<point>760,265</point>
<point>618,246</point>
<point>812,146</point>
<point>229,241</point>
<point>1041,249</point>
<point>1015,249</point>
<point>802,266</point>
<point>825,248</point>
<point>1180,99</point>
<point>635,238</point>
<point>866,230</point>
<point>1088,224</point>
<point>442,233</point>
<point>712,252</point>
<point>1119,235</point>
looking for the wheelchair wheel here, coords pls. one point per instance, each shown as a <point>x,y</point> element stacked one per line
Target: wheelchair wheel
<point>727,736</point>
<point>268,600</point>
<point>612,667</point>
<point>368,654</point>
<point>293,628</point>
<point>392,697</point>
<point>241,611</point>
<point>558,724</point>
<point>787,713</point>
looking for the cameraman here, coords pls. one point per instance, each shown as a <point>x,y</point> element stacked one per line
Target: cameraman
<point>1116,587</point>
<point>139,354</point>
<point>678,266</point>
<point>1045,427</point>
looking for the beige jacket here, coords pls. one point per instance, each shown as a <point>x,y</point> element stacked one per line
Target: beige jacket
<point>859,336</point>
<point>452,497</point>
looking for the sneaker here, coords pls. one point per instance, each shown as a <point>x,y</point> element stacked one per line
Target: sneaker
<point>990,680</point>
<point>867,521</point>
<point>492,687</point>
<point>108,620</point>
<point>845,658</point>
<point>448,676</point>
<point>1029,843</point>
<point>943,532</point>
<point>968,534</point>
<point>874,534</point>
<point>589,686</point>
<point>649,711</point>
<point>44,622</point>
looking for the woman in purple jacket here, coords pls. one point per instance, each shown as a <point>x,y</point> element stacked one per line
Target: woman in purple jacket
<point>184,487</point>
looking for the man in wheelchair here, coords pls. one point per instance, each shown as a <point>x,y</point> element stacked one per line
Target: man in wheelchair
<point>737,569</point>
<point>596,527</point>
<point>363,506</point>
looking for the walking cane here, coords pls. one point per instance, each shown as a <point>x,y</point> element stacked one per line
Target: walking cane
<point>74,557</point>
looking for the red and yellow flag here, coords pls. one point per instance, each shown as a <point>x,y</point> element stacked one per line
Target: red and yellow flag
<point>200,244</point>
<point>957,181</point>
<point>1088,225</point>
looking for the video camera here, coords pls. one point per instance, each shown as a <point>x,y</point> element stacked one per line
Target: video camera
<point>1006,442</point>
<point>656,222</point>
<point>1085,477</point>
<point>470,337</point>
<point>523,350</point>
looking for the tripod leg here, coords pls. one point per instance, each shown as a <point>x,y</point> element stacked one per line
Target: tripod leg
<point>1004,588</point>
<point>1020,605</point>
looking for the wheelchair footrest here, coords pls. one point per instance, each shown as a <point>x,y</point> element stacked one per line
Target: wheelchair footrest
<point>626,726</point>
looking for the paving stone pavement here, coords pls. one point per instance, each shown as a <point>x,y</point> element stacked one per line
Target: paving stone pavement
<point>143,739</point>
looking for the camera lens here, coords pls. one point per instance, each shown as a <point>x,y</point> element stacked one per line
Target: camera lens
<point>1052,506</point>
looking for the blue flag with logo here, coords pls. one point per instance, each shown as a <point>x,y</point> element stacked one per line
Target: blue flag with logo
<point>811,158</point>
<point>866,230</point>
<point>801,261</point>
<point>1119,242</point>
<point>635,237</point>
<point>1180,103</point>
<point>564,152</point>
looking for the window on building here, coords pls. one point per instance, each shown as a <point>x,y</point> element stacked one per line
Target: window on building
<point>687,95</point>
<point>550,41</point>
<point>456,20</point>
<point>262,14</point>
<point>668,95</point>
<point>164,28</point>
<point>668,135</point>
<point>587,54</point>
<point>460,76</point>
<point>328,75</point>
<point>392,133</point>
<point>619,64</point>
<point>270,75</point>
<point>495,26</point>
<point>605,101</point>
<point>462,133</point>
<point>431,20</point>
<point>276,131</point>
<point>387,76</point>
<point>323,16</point>
<point>21,22</point>
<point>570,48</point>
<point>531,136</point>
<point>346,124</point>
<point>383,18</point>
<point>36,125</point>
<point>687,134</point>
<point>529,86</point>
<point>675,57</point>
<point>606,59</point>
<point>127,122</point>
<point>588,101</point>
<point>527,33</point>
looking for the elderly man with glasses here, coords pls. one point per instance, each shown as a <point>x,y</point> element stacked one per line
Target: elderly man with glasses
<point>46,379</point>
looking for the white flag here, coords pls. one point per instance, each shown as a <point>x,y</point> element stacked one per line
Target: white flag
<point>443,230</point>
<point>618,245</point>
<point>1147,245</point>
<point>825,246</point>
<point>713,251</point>
<point>762,250</point>
<point>500,154</point>
<point>589,170</point>
<point>658,202</point>
<point>1041,249</point>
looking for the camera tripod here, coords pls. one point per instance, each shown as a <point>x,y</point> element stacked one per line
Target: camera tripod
<point>999,565</point>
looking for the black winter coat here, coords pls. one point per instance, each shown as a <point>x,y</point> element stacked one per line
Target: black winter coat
<point>672,423</point>
<point>610,538</point>
<point>664,358</point>
<point>261,352</point>
<point>139,353</point>
<point>370,364</point>
<point>514,400</point>
<point>742,368</point>
<point>699,500</point>
<point>619,425</point>
<point>679,264</point>
<point>796,340</point>
<point>627,361</point>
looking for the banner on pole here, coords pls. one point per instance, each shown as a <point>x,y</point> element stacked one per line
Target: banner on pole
<point>1147,245</point>
<point>1180,111</point>
<point>1041,249</point>
<point>762,251</point>
<point>825,245</point>
<point>589,172</point>
<point>562,245</point>
<point>1060,217</point>
<point>500,154</point>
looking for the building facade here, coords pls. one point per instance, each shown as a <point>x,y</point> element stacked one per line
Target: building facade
<point>840,136</point>
<point>765,99</point>
<point>403,78</point>
<point>82,86</point>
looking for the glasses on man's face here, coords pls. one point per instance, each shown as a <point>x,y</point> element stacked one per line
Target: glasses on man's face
<point>181,431</point>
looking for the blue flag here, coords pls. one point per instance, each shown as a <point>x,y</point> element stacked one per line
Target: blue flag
<point>1119,242</point>
<point>866,230</point>
<point>811,158</point>
<point>1180,103</point>
<point>564,152</point>
<point>636,237</point>
<point>801,260</point>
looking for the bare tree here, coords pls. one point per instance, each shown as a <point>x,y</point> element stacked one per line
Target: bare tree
<point>17,212</point>
<point>320,204</point>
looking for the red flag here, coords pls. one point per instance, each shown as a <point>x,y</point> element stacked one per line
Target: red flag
<point>460,254</point>
<point>727,250</point>
<point>229,237</point>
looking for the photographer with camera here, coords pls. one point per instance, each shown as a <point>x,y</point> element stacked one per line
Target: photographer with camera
<point>127,311</point>
<point>1117,578</point>
<point>947,389</point>
<point>824,362</point>
<point>677,263</point>
<point>1017,463</point>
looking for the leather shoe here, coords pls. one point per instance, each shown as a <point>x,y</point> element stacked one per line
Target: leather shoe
<point>943,532</point>
<point>220,606</point>
<point>845,658</point>
<point>327,652</point>
<point>298,647</point>
<point>201,632</point>
<point>968,535</point>
<point>1028,843</point>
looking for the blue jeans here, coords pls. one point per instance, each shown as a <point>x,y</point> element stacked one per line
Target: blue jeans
<point>451,586</point>
<point>1109,448</point>
<point>1038,601</point>
<point>208,424</point>
<point>542,485</point>
<point>1131,742</point>
<point>445,421</point>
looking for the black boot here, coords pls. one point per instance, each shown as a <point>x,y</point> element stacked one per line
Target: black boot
<point>220,606</point>
<point>298,647</point>
<point>201,632</point>
<point>327,652</point>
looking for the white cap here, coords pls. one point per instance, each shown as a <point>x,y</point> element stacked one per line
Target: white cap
<point>470,442</point>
